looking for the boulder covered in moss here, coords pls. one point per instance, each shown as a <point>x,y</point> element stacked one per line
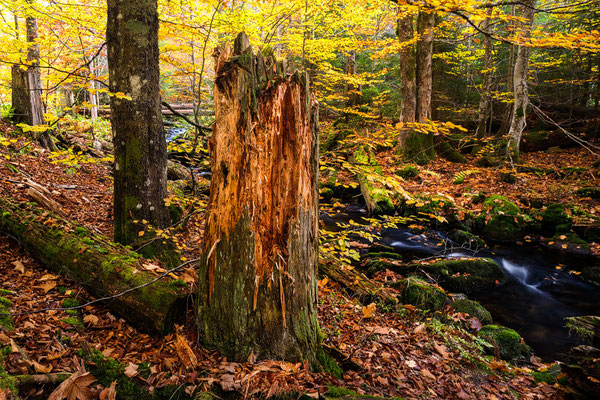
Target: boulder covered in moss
<point>465,275</point>
<point>509,343</point>
<point>381,261</point>
<point>592,192</point>
<point>555,219</point>
<point>408,171</point>
<point>502,220</point>
<point>591,275</point>
<point>466,239</point>
<point>569,242</point>
<point>421,294</point>
<point>586,327</point>
<point>474,309</point>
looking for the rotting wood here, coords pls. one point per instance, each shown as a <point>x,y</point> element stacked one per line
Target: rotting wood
<point>102,267</point>
<point>257,287</point>
<point>354,281</point>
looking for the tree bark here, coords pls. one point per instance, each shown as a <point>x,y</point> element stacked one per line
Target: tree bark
<point>257,290</point>
<point>103,268</point>
<point>140,171</point>
<point>519,113</point>
<point>425,25</point>
<point>486,87</point>
<point>27,85</point>
<point>408,64</point>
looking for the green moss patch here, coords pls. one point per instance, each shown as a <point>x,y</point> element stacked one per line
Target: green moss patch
<point>474,309</point>
<point>466,275</point>
<point>509,343</point>
<point>423,295</point>
<point>6,321</point>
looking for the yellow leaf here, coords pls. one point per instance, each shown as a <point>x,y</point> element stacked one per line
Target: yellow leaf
<point>369,310</point>
<point>141,233</point>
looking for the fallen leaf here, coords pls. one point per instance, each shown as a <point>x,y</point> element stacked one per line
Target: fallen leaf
<point>91,319</point>
<point>227,382</point>
<point>369,310</point>
<point>109,393</point>
<point>131,370</point>
<point>76,387</point>
<point>47,286</point>
<point>441,349</point>
<point>411,363</point>
<point>40,369</point>
<point>19,267</point>
<point>425,372</point>
<point>185,353</point>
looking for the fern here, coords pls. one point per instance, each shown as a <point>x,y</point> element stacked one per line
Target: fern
<point>460,177</point>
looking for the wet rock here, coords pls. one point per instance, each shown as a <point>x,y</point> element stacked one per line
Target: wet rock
<point>421,294</point>
<point>509,344</point>
<point>465,275</point>
<point>473,308</point>
<point>467,239</point>
<point>556,219</point>
<point>502,221</point>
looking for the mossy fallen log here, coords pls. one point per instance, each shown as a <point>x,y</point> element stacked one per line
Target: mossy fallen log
<point>102,267</point>
<point>354,282</point>
<point>377,199</point>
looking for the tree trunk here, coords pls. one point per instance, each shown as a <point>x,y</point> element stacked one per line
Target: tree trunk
<point>103,268</point>
<point>413,146</point>
<point>519,113</point>
<point>350,90</point>
<point>418,146</point>
<point>140,172</point>
<point>486,88</point>
<point>33,72</point>
<point>509,83</point>
<point>257,291</point>
<point>27,86</point>
<point>408,64</point>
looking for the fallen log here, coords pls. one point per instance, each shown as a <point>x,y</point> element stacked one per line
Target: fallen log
<point>104,268</point>
<point>354,282</point>
<point>377,199</point>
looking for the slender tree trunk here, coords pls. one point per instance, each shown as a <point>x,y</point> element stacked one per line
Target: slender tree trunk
<point>519,114</point>
<point>27,85</point>
<point>350,90</point>
<point>33,72</point>
<point>140,171</point>
<point>486,88</point>
<point>257,290</point>
<point>425,25</point>
<point>509,84</point>
<point>408,64</point>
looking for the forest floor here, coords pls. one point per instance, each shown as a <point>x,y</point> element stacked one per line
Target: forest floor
<point>410,356</point>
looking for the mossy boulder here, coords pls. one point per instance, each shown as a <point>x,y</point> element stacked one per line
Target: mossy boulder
<point>502,220</point>
<point>408,171</point>
<point>509,343</point>
<point>474,309</point>
<point>326,193</point>
<point>556,219</point>
<point>585,327</point>
<point>591,192</point>
<point>592,275</point>
<point>466,239</point>
<point>465,275</point>
<point>380,261</point>
<point>569,242</point>
<point>421,294</point>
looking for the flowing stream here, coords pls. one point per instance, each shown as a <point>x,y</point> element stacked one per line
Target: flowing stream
<point>537,297</point>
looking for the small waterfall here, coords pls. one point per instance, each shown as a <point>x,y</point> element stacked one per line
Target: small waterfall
<point>520,273</point>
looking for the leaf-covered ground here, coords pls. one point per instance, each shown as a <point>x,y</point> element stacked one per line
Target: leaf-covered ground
<point>384,354</point>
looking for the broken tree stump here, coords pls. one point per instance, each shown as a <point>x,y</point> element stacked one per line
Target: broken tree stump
<point>257,290</point>
<point>102,267</point>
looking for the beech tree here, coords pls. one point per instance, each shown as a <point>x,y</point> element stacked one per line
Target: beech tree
<point>519,111</point>
<point>416,83</point>
<point>140,170</point>
<point>257,289</point>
